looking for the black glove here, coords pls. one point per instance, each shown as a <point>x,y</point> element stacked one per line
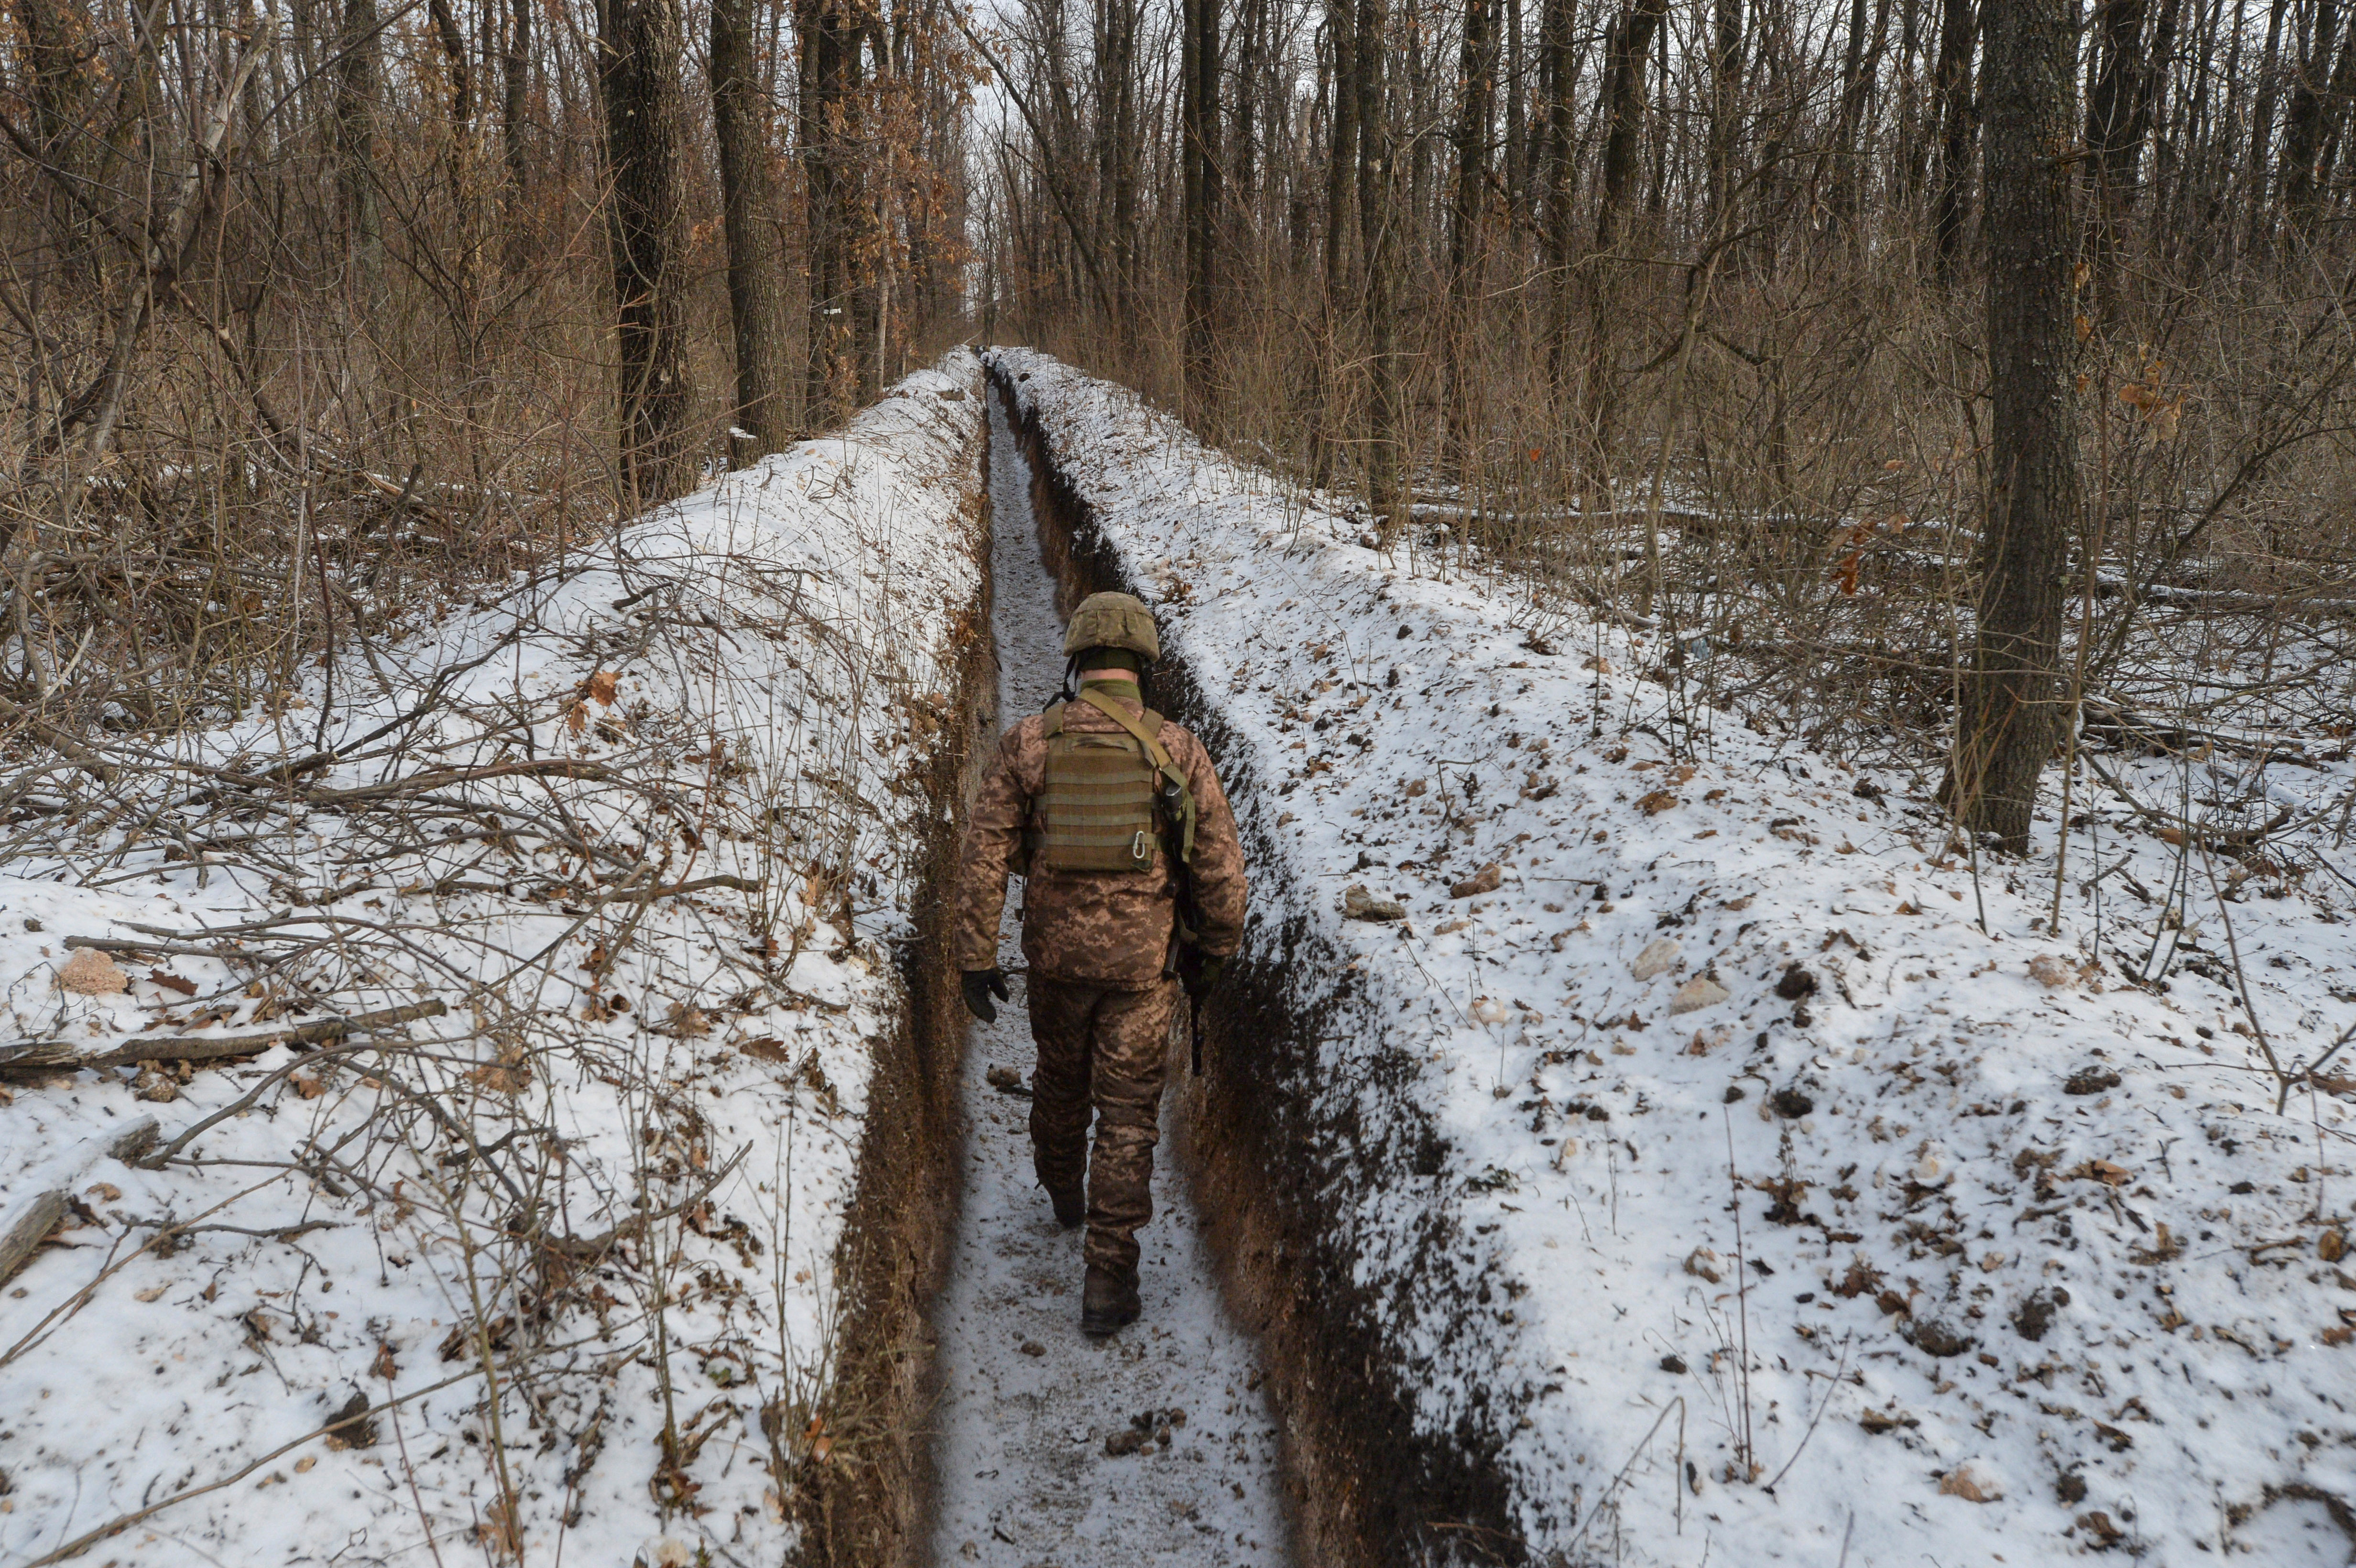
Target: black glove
<point>980,986</point>
<point>1198,972</point>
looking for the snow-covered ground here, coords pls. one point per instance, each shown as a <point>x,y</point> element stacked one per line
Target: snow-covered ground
<point>646,826</point>
<point>1801,1195</point>
<point>1027,1406</point>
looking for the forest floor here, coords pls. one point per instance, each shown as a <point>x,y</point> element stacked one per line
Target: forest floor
<point>1022,1476</point>
<point>547,1263</point>
<point>1751,1172</point>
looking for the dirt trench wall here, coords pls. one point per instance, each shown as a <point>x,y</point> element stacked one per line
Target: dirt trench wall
<point>863,1505</point>
<point>1277,1168</point>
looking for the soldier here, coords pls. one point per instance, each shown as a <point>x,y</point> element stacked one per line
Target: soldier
<point>1115,819</point>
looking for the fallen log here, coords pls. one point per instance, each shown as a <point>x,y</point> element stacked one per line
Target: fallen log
<point>58,1055</point>
<point>28,1228</point>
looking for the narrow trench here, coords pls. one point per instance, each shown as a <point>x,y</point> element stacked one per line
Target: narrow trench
<point>1022,1477</point>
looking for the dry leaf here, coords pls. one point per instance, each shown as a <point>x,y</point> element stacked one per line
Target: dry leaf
<point>601,687</point>
<point>576,718</point>
<point>171,982</point>
<point>1657,801</point>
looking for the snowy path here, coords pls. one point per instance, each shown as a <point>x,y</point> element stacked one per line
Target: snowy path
<point>1023,1478</point>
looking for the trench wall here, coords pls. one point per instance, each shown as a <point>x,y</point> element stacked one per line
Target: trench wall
<point>1282,1169</point>
<point>865,1504</point>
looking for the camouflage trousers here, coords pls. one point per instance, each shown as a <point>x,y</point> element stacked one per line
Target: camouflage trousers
<point>1106,1049</point>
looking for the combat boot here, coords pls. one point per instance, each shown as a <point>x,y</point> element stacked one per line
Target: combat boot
<point>1071,1208</point>
<point>1107,1302</point>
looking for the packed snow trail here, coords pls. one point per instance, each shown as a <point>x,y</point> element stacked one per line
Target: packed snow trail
<point>1027,1404</point>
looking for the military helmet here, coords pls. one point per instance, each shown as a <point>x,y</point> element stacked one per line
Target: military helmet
<point>1112,621</point>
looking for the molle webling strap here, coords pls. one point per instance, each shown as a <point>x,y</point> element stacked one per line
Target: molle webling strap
<point>1146,731</point>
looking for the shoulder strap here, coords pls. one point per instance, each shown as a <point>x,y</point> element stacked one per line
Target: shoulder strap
<point>1146,733</point>
<point>1053,717</point>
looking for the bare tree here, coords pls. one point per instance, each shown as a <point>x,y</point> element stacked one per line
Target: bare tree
<point>757,278</point>
<point>638,76</point>
<point>2010,714</point>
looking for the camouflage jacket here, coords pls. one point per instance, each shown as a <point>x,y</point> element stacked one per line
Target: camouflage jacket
<point>1096,928</point>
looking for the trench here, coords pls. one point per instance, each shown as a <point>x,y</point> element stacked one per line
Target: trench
<point>1022,1477</point>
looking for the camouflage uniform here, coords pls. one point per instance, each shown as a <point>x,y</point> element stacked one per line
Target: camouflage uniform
<point>1096,943</point>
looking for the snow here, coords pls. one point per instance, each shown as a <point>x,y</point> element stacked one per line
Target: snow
<point>575,1241</point>
<point>1902,1149</point>
<point>1027,1403</point>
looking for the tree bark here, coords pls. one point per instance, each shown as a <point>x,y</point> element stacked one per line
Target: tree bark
<point>1200,129</point>
<point>1379,243</point>
<point>638,76</point>
<point>1476,108</point>
<point>2304,124</point>
<point>359,85</point>
<point>2010,714</point>
<point>832,36</point>
<point>1725,105</point>
<point>1558,69</point>
<point>1959,126</point>
<point>1340,167</point>
<point>756,267</point>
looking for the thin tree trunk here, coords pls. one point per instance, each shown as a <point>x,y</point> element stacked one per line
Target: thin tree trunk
<point>757,280</point>
<point>832,37</point>
<point>1725,106</point>
<point>1340,167</point>
<point>2010,714</point>
<point>1380,243</point>
<point>1559,69</point>
<point>638,76</point>
<point>1200,130</point>
<point>2262,123</point>
<point>359,85</point>
<point>1476,107</point>
<point>2305,124</point>
<point>1959,126</point>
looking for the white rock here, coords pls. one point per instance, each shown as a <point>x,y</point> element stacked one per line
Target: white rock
<point>1699,992</point>
<point>1659,954</point>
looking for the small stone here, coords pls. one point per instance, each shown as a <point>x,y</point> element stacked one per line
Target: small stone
<point>89,973</point>
<point>2051,972</point>
<point>1359,904</point>
<point>1703,1263</point>
<point>1121,1444</point>
<point>1673,1363</point>
<point>1006,1081</point>
<point>1792,1104</point>
<point>1032,1348</point>
<point>1798,981</point>
<point>1659,954</point>
<point>1485,881</point>
<point>153,1085</point>
<point>1696,993</point>
<point>2035,1314</point>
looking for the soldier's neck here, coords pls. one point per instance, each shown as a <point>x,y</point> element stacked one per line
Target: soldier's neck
<point>1120,686</point>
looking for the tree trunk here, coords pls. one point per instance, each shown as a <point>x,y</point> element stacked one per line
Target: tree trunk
<point>1959,125</point>
<point>757,280</point>
<point>1629,46</point>
<point>1560,62</point>
<point>515,81</point>
<point>1725,106</point>
<point>2011,710</point>
<point>2305,124</point>
<point>1341,166</point>
<point>833,36</point>
<point>638,76</point>
<point>1380,243</point>
<point>1200,130</point>
<point>360,84</point>
<point>2261,122</point>
<point>1476,108</point>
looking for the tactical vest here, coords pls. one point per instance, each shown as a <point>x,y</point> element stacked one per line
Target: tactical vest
<point>1108,800</point>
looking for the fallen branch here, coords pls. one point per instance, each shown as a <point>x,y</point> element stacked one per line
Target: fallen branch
<point>58,1054</point>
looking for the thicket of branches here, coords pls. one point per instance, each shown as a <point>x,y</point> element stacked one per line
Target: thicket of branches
<point>315,309</point>
<point>1685,309</point>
